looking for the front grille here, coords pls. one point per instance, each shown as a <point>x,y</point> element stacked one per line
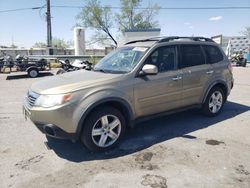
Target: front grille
<point>31,98</point>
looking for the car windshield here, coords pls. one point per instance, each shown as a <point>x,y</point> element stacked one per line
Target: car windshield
<point>122,60</point>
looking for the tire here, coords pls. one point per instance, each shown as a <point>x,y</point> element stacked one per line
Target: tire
<point>245,63</point>
<point>33,73</point>
<point>104,137</point>
<point>214,102</point>
<point>60,71</point>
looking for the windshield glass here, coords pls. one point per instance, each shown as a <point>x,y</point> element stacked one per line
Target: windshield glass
<point>122,60</point>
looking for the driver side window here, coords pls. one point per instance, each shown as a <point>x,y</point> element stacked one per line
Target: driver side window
<point>164,58</point>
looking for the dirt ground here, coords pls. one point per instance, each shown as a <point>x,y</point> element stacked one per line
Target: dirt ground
<point>180,150</point>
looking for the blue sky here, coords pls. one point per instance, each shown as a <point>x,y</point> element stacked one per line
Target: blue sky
<point>27,27</point>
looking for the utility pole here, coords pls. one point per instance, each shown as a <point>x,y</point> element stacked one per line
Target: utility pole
<point>49,33</point>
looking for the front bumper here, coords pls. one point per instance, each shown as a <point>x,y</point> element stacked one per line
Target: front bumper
<point>55,122</point>
<point>55,132</point>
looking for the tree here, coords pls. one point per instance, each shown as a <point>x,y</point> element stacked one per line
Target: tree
<point>39,45</point>
<point>56,43</point>
<point>246,32</point>
<point>61,43</point>
<point>99,17</point>
<point>133,18</point>
<point>95,16</point>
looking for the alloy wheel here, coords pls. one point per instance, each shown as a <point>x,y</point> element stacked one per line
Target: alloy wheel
<point>106,130</point>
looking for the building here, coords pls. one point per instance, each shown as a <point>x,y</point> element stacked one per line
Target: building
<point>233,44</point>
<point>138,34</point>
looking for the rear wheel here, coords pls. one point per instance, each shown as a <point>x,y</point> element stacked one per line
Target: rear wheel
<point>33,73</point>
<point>214,102</point>
<point>103,129</point>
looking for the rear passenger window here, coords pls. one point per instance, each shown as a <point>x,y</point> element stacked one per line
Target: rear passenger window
<point>191,55</point>
<point>213,54</point>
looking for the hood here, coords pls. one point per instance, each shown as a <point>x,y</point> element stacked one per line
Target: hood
<point>71,81</point>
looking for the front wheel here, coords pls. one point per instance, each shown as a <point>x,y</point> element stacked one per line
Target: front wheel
<point>103,129</point>
<point>214,102</point>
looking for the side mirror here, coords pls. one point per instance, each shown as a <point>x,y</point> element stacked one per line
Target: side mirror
<point>148,69</point>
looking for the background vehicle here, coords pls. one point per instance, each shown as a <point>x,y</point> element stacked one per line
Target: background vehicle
<point>25,64</point>
<point>239,60</point>
<point>140,80</point>
<point>31,66</point>
<point>1,63</point>
<point>77,65</point>
<point>6,62</point>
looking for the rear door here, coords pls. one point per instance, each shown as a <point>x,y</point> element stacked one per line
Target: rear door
<point>196,73</point>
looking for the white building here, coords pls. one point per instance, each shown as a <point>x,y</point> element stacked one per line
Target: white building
<point>139,34</point>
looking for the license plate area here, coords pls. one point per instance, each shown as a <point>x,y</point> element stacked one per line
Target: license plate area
<point>26,113</point>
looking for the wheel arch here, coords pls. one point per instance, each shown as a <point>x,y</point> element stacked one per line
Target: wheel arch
<point>221,84</point>
<point>32,68</point>
<point>118,103</point>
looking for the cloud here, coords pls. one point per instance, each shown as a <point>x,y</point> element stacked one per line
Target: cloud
<point>187,23</point>
<point>215,18</point>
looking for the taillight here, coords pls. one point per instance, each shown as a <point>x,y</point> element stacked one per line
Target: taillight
<point>230,67</point>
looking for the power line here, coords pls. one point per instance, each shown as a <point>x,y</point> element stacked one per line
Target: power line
<point>19,9</point>
<point>140,8</point>
<point>161,8</point>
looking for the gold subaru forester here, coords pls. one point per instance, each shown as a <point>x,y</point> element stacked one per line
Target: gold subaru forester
<point>142,79</point>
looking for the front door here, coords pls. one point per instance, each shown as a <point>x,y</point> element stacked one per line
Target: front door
<point>158,93</point>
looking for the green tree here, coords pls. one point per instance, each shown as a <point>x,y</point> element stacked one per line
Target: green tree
<point>246,32</point>
<point>95,16</point>
<point>56,43</point>
<point>131,17</point>
<point>61,43</point>
<point>101,18</point>
<point>39,45</point>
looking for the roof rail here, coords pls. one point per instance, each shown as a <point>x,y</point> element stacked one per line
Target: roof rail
<point>168,39</point>
<point>144,40</point>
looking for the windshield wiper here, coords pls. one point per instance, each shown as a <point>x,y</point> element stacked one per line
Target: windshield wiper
<point>110,71</point>
<point>100,70</point>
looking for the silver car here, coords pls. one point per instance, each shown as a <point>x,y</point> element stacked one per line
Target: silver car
<point>142,79</point>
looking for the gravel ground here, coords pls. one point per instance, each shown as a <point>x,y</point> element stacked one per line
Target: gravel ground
<point>180,150</point>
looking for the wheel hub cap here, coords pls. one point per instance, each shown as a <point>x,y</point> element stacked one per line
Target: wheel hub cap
<point>106,130</point>
<point>215,102</point>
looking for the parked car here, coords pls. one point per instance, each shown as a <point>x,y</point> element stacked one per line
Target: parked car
<point>142,79</point>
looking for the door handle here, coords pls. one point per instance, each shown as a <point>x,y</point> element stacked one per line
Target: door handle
<point>210,72</point>
<point>176,78</point>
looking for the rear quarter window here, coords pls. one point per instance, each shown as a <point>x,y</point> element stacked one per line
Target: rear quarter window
<point>213,54</point>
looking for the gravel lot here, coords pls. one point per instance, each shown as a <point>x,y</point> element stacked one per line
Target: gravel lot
<point>180,150</point>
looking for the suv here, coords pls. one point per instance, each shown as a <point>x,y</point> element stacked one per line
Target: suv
<point>142,79</point>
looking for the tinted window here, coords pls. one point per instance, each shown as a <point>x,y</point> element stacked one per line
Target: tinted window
<point>213,54</point>
<point>191,55</point>
<point>164,58</point>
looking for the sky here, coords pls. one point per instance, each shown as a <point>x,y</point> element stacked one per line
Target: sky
<point>26,27</point>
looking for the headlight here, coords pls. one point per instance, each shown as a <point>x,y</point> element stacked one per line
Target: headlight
<point>47,101</point>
